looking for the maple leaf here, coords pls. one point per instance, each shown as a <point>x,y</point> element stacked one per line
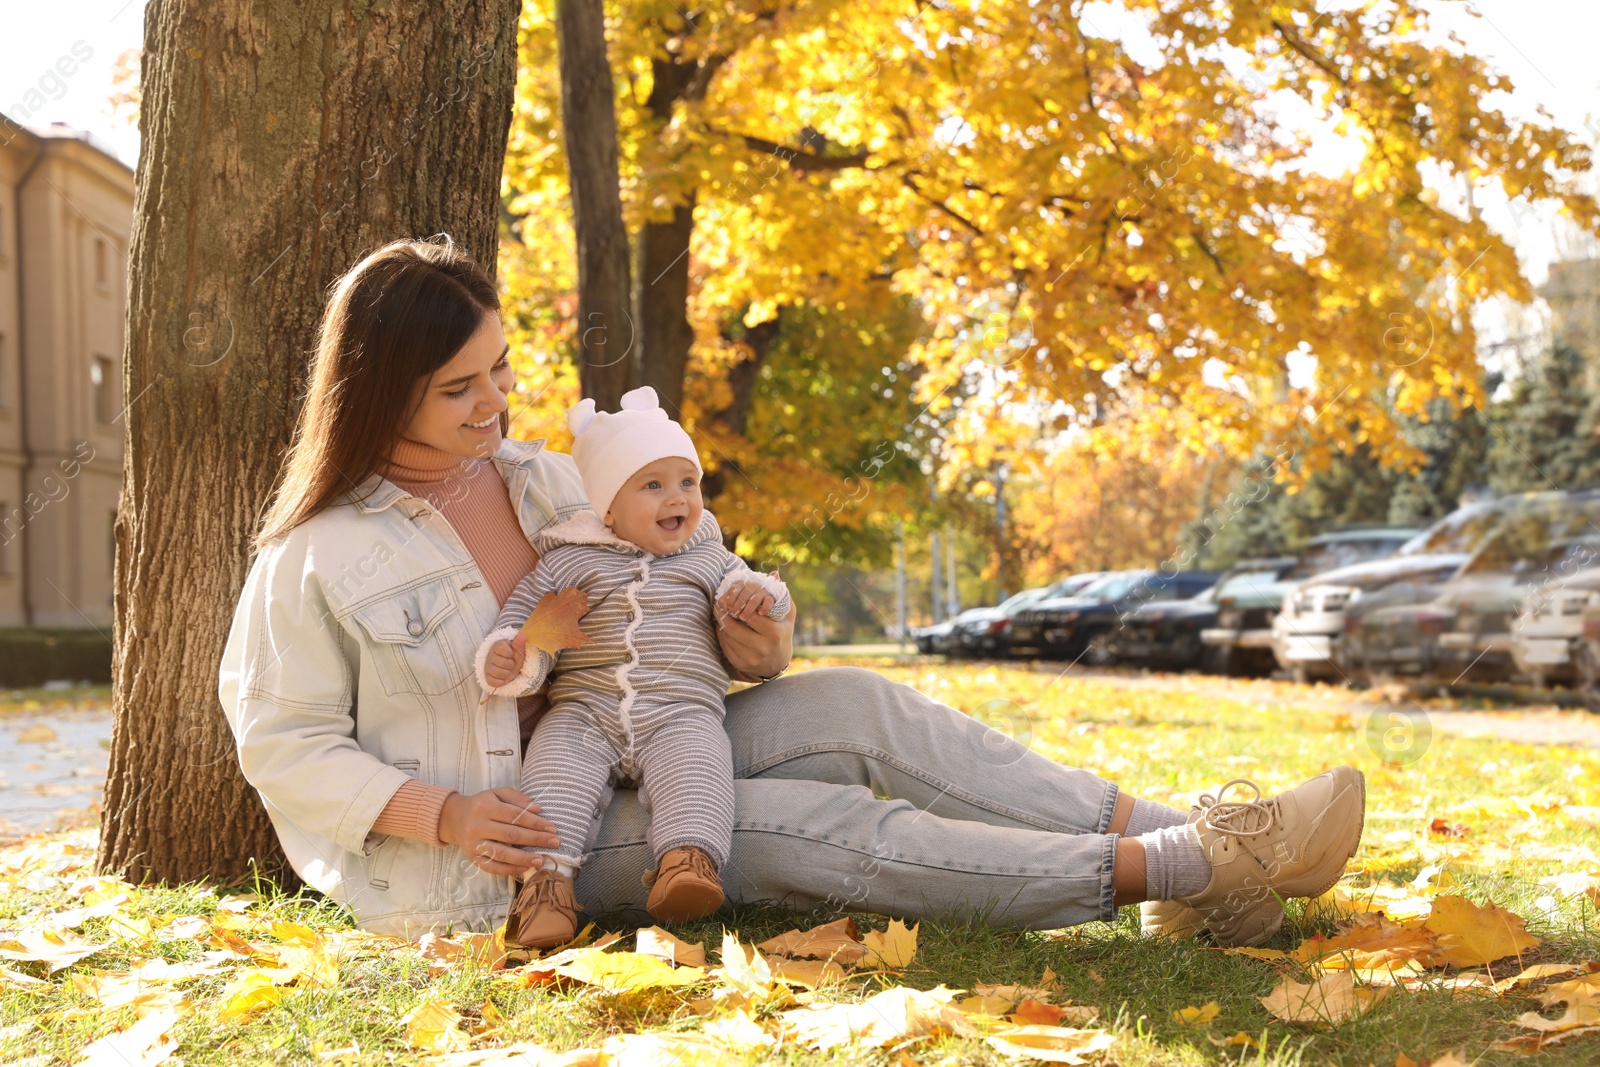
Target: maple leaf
<point>1054,1044</point>
<point>980,1005</point>
<point>808,974</point>
<point>839,941</point>
<point>553,625</point>
<point>654,941</point>
<point>434,1026</point>
<point>1329,999</point>
<point>738,1029</point>
<point>128,990</point>
<point>1203,1014</point>
<point>1581,995</point>
<point>885,1018</point>
<point>893,948</point>
<point>249,992</point>
<point>53,948</point>
<point>146,1043</point>
<point>625,971</point>
<point>1469,935</point>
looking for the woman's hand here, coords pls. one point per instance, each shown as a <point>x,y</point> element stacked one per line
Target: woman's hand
<point>759,647</point>
<point>494,827</point>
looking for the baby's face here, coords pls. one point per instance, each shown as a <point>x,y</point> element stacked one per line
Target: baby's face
<point>659,507</point>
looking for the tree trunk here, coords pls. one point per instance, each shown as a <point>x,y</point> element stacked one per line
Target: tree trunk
<point>606,330</point>
<point>665,335</point>
<point>742,378</point>
<point>280,142</point>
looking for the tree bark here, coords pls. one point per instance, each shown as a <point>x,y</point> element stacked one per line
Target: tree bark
<point>661,298</point>
<point>742,379</point>
<point>279,143</point>
<point>662,304</point>
<point>606,330</point>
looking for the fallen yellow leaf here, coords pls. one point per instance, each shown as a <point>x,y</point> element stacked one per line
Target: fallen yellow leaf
<point>626,971</point>
<point>114,991</point>
<point>839,941</point>
<point>53,948</point>
<point>1054,1044</point>
<point>739,1030</point>
<point>996,1006</point>
<point>1470,935</point>
<point>809,974</point>
<point>1329,999</point>
<point>312,963</point>
<point>893,948</point>
<point>1534,973</point>
<point>654,941</point>
<point>435,1026</point>
<point>144,1044</point>
<point>249,992</point>
<point>1203,1014</point>
<point>885,1018</point>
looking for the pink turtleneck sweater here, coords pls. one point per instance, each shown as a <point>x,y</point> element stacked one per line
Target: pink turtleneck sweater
<point>472,496</point>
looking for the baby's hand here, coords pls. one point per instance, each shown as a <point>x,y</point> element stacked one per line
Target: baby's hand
<point>745,601</point>
<point>504,661</point>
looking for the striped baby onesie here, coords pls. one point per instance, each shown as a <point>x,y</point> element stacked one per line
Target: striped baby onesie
<point>643,700</point>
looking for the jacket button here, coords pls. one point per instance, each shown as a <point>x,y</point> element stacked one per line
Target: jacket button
<point>414,628</point>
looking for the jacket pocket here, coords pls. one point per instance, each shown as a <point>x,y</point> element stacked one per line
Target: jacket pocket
<point>417,639</point>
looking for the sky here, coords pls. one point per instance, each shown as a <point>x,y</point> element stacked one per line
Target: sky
<point>1547,47</point>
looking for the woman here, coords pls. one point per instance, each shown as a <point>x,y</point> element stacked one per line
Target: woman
<point>403,521</point>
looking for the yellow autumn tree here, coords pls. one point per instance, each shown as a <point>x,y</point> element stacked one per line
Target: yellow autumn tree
<point>1079,229</point>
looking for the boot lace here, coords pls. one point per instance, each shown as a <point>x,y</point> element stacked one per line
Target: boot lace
<point>1239,818</point>
<point>692,858</point>
<point>547,888</point>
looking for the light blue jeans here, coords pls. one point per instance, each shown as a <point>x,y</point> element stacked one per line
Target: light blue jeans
<point>857,793</point>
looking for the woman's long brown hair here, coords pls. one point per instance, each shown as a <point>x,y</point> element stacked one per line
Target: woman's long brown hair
<point>395,317</point>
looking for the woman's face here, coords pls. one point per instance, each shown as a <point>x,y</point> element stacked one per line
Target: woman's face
<point>460,404</point>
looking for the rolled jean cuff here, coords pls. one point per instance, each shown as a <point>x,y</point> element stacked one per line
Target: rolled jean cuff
<point>1108,807</point>
<point>1108,881</point>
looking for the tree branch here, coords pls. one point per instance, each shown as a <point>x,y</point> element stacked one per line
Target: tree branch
<point>800,159</point>
<point>909,180</point>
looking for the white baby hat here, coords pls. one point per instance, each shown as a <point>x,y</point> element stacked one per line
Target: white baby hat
<point>609,446</point>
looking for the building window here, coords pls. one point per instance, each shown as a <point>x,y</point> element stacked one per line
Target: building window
<point>104,390</point>
<point>5,543</point>
<point>102,264</point>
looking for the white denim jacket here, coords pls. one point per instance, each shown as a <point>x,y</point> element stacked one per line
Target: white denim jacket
<point>348,669</point>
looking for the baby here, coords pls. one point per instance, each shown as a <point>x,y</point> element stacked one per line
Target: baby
<point>643,700</point>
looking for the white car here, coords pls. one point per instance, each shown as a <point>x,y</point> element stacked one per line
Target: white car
<point>1307,631</point>
<point>1550,626</point>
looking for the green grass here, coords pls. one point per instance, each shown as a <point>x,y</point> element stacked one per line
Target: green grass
<point>36,699</point>
<point>1525,809</point>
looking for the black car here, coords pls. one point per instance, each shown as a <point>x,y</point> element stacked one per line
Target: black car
<point>1166,633</point>
<point>987,631</point>
<point>1081,626</point>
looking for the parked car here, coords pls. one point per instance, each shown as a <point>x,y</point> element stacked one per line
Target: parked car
<point>1308,630</point>
<point>1167,633</point>
<point>1243,633</point>
<point>1548,634</point>
<point>944,637</point>
<point>1080,626</point>
<point>987,631</point>
<point>1462,629</point>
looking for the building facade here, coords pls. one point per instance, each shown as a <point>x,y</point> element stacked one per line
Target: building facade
<point>66,214</point>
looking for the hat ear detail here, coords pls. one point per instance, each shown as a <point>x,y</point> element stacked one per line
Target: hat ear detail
<point>581,415</point>
<point>640,399</point>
